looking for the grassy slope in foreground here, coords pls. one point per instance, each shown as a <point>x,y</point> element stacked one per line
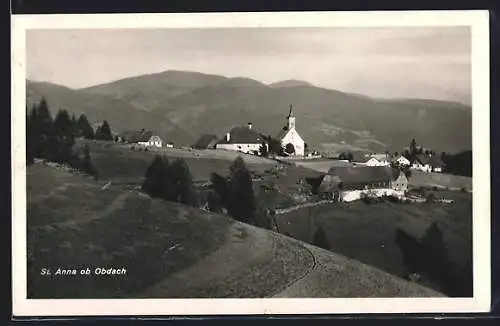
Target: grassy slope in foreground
<point>170,250</point>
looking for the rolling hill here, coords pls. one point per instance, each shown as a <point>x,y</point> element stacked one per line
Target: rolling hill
<point>169,250</point>
<point>120,114</point>
<point>199,103</point>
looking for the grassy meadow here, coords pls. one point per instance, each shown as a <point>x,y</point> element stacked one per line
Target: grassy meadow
<point>122,164</point>
<point>74,223</point>
<point>365,232</point>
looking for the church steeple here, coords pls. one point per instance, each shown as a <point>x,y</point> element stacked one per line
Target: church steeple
<point>291,119</point>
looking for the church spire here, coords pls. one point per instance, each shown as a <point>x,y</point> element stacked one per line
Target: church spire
<point>291,119</point>
<point>290,114</point>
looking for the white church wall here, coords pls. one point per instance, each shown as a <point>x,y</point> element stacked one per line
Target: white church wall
<point>294,138</point>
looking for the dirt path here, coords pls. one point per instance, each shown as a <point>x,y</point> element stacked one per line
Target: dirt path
<point>306,205</point>
<point>301,277</point>
<point>337,276</point>
<point>242,249</point>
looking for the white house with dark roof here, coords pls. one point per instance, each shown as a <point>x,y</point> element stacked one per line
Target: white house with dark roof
<point>348,183</point>
<point>379,160</point>
<point>141,137</point>
<point>242,139</point>
<point>427,163</point>
<point>402,161</point>
<point>289,137</point>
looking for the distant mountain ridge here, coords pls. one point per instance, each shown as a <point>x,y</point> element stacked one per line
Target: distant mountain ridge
<point>191,104</point>
<point>290,83</point>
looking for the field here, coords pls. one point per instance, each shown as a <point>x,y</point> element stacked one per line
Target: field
<point>122,164</point>
<point>365,232</point>
<point>440,180</point>
<point>170,250</point>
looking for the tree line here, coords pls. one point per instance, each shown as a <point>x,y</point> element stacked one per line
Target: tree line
<point>170,181</point>
<point>234,194</point>
<point>429,256</point>
<point>53,139</point>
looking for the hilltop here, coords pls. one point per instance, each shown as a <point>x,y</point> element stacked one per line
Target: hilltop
<point>171,250</point>
<point>192,104</point>
<point>290,83</point>
<point>120,114</point>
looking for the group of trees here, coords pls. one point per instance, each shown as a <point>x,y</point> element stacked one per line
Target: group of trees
<point>47,136</point>
<point>460,163</point>
<point>429,256</point>
<point>346,156</point>
<point>53,139</point>
<point>170,181</point>
<point>273,146</point>
<point>235,195</point>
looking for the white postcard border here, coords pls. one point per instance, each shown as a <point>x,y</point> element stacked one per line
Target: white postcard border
<point>477,20</point>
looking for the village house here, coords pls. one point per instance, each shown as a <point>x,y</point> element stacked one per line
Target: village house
<point>427,163</point>
<point>402,161</point>
<point>349,183</point>
<point>290,140</point>
<point>242,139</point>
<point>379,160</point>
<point>141,137</point>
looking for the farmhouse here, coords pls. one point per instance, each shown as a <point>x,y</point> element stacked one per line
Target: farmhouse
<point>141,137</point>
<point>242,139</point>
<point>351,183</point>
<point>426,163</point>
<point>379,160</point>
<point>206,141</point>
<point>290,139</point>
<point>402,161</point>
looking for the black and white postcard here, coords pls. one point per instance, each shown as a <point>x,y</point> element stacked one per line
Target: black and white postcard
<point>250,163</point>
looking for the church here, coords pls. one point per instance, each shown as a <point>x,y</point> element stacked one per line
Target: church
<point>290,139</point>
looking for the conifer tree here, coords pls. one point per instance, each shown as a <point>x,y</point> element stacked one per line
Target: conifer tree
<point>74,126</point>
<point>103,132</point>
<point>63,133</point>
<point>434,249</point>
<point>84,129</point>
<point>220,186</point>
<point>320,239</point>
<point>32,141</point>
<point>214,202</point>
<point>242,201</point>
<point>45,142</point>
<point>183,183</point>
<point>152,184</point>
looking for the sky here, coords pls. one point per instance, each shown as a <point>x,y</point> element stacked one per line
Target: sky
<point>406,62</point>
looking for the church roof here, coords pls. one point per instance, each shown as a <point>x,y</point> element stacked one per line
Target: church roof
<point>243,135</point>
<point>283,132</point>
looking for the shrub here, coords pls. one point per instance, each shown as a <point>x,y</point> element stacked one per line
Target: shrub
<point>240,192</point>
<point>320,239</point>
<point>429,256</point>
<point>214,202</point>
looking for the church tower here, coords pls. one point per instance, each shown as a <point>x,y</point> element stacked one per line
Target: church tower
<point>291,119</point>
